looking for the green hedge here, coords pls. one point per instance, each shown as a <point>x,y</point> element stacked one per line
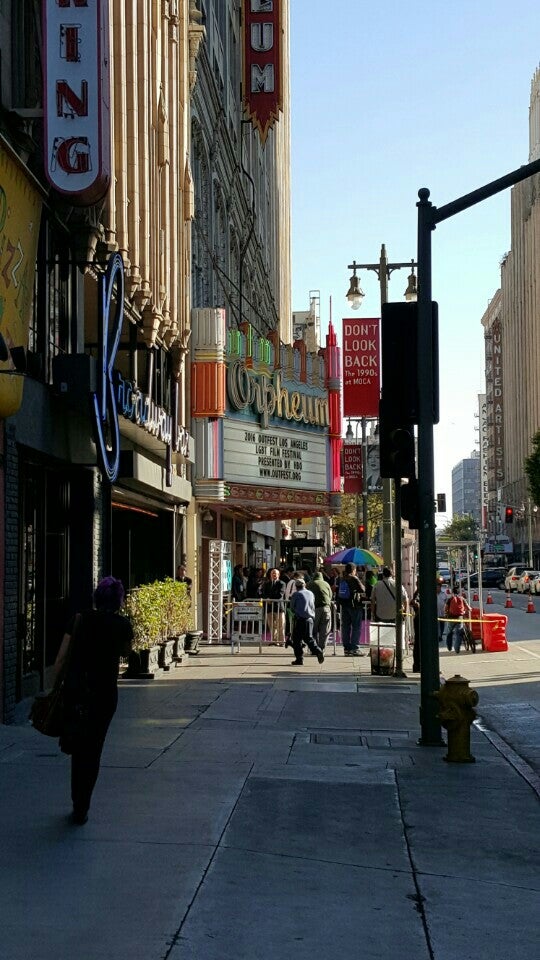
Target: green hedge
<point>158,610</point>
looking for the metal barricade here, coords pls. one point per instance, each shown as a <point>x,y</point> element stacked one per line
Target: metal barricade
<point>247,623</point>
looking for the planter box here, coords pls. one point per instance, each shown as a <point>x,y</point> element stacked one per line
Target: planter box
<point>142,664</point>
<point>192,641</point>
<point>382,660</point>
<point>166,650</point>
<point>179,649</point>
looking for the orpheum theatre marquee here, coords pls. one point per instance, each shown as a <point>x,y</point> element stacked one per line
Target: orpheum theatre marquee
<point>267,422</point>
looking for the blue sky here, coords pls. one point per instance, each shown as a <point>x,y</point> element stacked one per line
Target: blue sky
<point>388,98</point>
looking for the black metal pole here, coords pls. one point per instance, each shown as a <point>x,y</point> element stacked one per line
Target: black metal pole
<point>429,647</point>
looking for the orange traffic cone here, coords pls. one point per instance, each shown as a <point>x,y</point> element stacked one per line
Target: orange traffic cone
<point>489,598</point>
<point>475,595</point>
<point>530,605</point>
<point>508,601</point>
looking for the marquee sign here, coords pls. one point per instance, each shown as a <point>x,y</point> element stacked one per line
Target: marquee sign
<point>77,138</point>
<point>262,73</point>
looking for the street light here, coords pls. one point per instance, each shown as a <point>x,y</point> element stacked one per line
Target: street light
<point>428,218</point>
<point>391,545</point>
<point>349,437</point>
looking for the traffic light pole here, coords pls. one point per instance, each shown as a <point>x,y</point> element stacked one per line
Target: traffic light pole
<point>428,218</point>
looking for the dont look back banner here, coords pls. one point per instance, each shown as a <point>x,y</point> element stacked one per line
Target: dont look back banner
<point>361,368</point>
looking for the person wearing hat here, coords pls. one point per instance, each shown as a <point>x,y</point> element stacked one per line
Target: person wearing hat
<point>303,608</point>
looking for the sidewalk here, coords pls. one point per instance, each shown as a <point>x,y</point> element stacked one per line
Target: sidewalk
<point>248,809</point>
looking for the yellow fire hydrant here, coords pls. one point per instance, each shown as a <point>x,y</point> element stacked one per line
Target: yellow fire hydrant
<point>456,713</point>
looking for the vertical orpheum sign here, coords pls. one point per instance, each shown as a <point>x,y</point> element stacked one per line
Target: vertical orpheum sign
<point>361,368</point>
<point>76,82</point>
<point>262,68</point>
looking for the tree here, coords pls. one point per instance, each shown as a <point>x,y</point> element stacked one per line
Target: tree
<point>532,469</point>
<point>461,527</point>
<point>344,523</point>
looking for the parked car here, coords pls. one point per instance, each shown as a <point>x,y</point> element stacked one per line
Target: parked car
<point>524,582</point>
<point>534,585</point>
<point>512,576</point>
<point>492,577</point>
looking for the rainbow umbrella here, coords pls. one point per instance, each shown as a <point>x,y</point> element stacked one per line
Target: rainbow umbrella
<point>357,555</point>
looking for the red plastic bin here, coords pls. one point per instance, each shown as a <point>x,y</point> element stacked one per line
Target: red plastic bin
<point>476,626</point>
<point>494,632</point>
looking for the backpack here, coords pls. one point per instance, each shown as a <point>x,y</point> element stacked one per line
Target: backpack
<point>344,590</point>
<point>456,606</point>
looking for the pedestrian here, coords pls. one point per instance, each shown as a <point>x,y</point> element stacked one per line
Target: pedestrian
<point>303,607</point>
<point>441,608</point>
<point>322,593</point>
<point>273,592</point>
<point>238,584</point>
<point>383,599</point>
<point>349,597</point>
<point>182,577</point>
<point>290,588</point>
<point>101,637</point>
<point>253,585</point>
<point>456,609</point>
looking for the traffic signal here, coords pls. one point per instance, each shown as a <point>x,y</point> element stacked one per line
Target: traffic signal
<point>361,529</point>
<point>509,515</point>
<point>399,360</point>
<point>409,504</point>
<point>396,443</point>
<point>441,503</point>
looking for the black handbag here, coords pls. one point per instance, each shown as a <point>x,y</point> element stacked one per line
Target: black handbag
<point>47,714</point>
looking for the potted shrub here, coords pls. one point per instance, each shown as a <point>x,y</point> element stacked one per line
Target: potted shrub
<point>177,610</point>
<point>146,621</point>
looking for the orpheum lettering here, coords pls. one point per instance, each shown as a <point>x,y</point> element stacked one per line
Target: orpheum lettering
<point>77,147</point>
<point>269,398</point>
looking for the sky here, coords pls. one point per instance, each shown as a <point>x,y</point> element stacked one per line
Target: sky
<point>388,98</point>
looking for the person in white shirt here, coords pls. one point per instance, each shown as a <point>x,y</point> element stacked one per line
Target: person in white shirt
<point>383,598</point>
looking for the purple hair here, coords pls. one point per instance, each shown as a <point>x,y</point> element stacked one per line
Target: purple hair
<point>109,594</point>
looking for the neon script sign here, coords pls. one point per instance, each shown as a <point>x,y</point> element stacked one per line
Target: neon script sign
<point>77,139</point>
<point>105,410</point>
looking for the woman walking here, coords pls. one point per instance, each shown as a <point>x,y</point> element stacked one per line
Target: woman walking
<point>92,648</point>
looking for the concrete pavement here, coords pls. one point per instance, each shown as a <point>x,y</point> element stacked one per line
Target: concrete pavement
<point>248,808</point>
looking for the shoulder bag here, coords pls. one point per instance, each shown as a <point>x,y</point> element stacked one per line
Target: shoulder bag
<point>47,711</point>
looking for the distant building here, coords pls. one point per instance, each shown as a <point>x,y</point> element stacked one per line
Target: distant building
<point>466,497</point>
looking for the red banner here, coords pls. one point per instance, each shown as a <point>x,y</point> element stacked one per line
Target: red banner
<point>262,74</point>
<point>352,468</point>
<point>361,368</point>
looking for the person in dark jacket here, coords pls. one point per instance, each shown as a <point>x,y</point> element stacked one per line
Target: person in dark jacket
<point>238,585</point>
<point>303,608</point>
<point>322,592</point>
<point>349,598</point>
<point>100,638</point>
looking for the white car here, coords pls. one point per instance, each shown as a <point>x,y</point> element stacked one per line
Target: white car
<point>513,575</point>
<point>535,584</point>
<point>524,582</point>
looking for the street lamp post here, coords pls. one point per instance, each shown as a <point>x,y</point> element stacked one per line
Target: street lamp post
<point>428,218</point>
<point>349,435</point>
<point>391,534</point>
<point>355,295</point>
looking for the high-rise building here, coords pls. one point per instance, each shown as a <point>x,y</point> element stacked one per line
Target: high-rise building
<point>466,488</point>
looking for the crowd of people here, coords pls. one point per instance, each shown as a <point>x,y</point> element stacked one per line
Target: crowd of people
<point>299,606</point>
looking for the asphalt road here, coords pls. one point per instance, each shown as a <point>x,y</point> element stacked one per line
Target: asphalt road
<point>507,682</point>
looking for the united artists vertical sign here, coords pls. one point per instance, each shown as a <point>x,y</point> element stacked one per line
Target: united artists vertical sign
<point>262,73</point>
